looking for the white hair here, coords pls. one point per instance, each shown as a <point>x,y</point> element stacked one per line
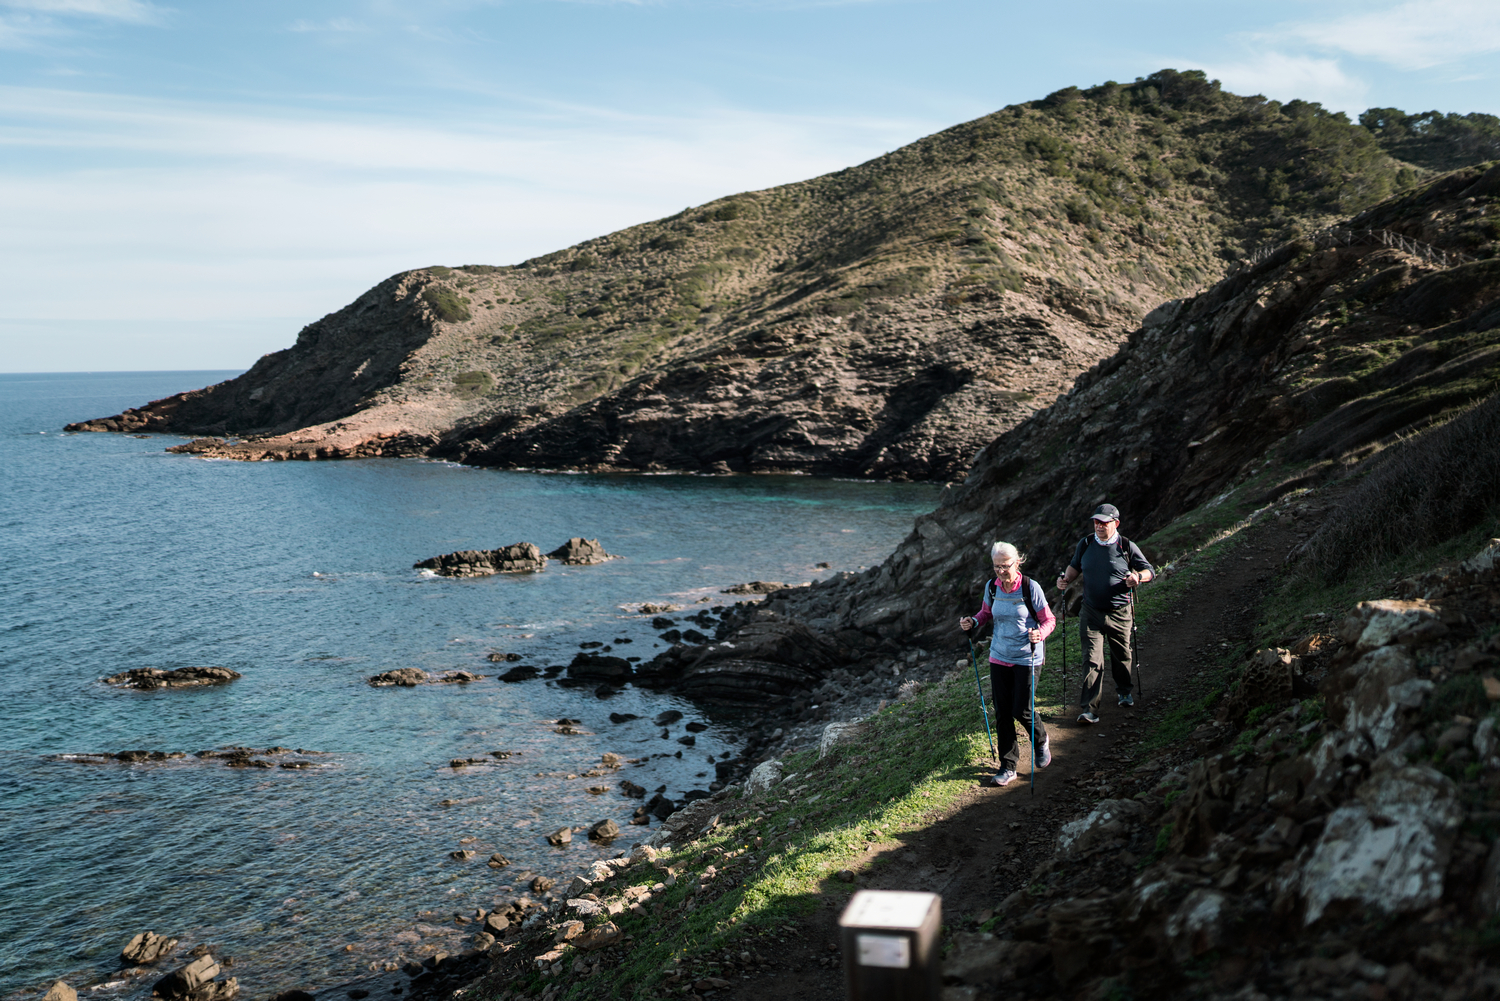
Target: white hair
<point>1006,550</point>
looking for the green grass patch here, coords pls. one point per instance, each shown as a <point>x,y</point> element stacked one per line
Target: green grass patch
<point>448,305</point>
<point>908,764</point>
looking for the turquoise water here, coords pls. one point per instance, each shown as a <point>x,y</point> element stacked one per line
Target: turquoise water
<point>298,575</point>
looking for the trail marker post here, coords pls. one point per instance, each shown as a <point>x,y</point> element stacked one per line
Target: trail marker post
<point>890,945</point>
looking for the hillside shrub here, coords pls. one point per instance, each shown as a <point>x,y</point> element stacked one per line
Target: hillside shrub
<point>448,305</point>
<point>1420,492</point>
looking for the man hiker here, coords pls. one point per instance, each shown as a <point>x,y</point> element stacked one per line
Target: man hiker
<point>1018,607</point>
<point>1110,566</point>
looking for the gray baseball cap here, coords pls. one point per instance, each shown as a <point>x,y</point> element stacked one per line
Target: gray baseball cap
<point>1105,512</point>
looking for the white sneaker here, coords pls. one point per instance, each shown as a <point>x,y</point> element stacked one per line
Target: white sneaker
<point>1003,777</point>
<point>1087,717</point>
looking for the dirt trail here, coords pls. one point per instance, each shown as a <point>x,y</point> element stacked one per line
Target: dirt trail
<point>989,844</point>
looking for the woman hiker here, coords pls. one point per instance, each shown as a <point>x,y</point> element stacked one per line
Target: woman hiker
<point>1018,607</point>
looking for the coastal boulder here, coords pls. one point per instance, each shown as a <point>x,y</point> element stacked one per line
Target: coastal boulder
<point>60,992</point>
<point>195,982</point>
<point>763,776</point>
<point>605,830</point>
<point>599,667</point>
<point>148,678</point>
<point>606,934</point>
<point>580,552</point>
<point>146,947</point>
<point>406,677</point>
<point>522,557</point>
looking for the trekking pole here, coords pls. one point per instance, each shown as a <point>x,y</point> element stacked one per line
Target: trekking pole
<point>1031,670</point>
<point>1064,618</point>
<point>974,659</point>
<point>1135,647</point>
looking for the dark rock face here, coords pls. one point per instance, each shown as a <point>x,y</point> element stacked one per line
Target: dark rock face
<point>149,678</point>
<point>580,552</point>
<point>1270,364</point>
<point>522,557</point>
<point>770,655</point>
<point>522,673</point>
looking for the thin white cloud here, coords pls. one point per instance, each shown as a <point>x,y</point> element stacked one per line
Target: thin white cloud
<point>1415,34</point>
<point>114,10</point>
<point>126,207</point>
<point>1285,77</point>
<point>336,25</point>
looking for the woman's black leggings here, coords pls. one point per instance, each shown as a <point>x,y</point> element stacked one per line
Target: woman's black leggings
<point>1011,685</point>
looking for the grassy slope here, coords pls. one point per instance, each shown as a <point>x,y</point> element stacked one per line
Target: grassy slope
<point>913,761</point>
<point>1116,196</point>
<point>910,763</point>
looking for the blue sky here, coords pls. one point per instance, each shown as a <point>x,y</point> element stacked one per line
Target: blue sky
<point>184,185</point>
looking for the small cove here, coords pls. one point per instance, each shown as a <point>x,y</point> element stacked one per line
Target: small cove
<point>298,575</point>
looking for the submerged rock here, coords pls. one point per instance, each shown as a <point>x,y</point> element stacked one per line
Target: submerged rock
<point>405,677</point>
<point>522,557</point>
<point>148,678</point>
<point>458,677</point>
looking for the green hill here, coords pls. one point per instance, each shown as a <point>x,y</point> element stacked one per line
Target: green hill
<point>885,320</point>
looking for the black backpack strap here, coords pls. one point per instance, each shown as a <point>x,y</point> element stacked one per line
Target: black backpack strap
<point>1026,597</point>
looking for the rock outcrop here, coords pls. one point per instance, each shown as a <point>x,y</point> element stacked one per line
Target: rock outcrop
<point>146,947</point>
<point>149,678</point>
<point>522,557</point>
<point>195,982</point>
<point>579,551</point>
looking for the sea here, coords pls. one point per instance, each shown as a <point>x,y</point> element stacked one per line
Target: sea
<point>299,575</point>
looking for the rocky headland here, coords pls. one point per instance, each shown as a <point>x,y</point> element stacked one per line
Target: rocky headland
<point>888,320</point>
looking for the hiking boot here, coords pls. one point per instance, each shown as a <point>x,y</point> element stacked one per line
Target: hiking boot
<point>1127,699</point>
<point>1003,777</point>
<point>1087,717</point>
<point>1044,752</point>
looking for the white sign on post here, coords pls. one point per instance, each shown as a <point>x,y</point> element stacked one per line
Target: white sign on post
<point>890,951</point>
